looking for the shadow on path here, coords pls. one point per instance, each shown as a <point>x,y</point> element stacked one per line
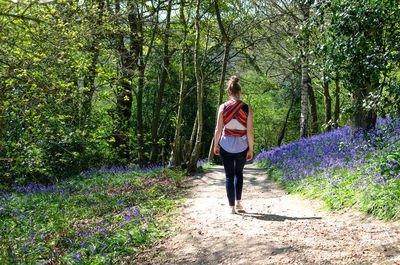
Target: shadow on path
<point>277,218</point>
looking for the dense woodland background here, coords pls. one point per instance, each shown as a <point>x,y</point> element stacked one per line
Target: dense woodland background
<point>93,83</point>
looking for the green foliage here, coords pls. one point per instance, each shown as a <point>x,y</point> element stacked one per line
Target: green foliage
<point>390,164</point>
<point>359,40</point>
<point>208,164</point>
<point>269,113</point>
<point>67,67</point>
<point>45,136</point>
<point>176,174</point>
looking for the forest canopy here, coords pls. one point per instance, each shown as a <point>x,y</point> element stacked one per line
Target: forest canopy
<point>92,83</point>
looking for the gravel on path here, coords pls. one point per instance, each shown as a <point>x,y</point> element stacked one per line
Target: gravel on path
<point>277,228</point>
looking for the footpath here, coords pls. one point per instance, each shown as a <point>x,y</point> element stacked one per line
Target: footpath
<point>277,228</point>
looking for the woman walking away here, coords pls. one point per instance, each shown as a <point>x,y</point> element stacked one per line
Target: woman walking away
<point>234,141</point>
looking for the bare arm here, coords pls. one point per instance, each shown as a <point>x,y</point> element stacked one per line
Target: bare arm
<point>218,129</point>
<point>250,134</point>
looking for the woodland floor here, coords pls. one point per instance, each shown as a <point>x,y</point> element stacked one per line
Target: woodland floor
<point>277,228</point>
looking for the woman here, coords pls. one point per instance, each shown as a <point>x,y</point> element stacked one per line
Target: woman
<point>234,141</point>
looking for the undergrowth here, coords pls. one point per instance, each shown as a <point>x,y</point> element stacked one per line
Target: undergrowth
<point>99,217</point>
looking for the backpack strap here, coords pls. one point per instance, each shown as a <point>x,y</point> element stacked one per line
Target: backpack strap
<point>234,109</point>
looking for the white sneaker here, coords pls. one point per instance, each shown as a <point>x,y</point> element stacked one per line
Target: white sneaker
<point>239,208</point>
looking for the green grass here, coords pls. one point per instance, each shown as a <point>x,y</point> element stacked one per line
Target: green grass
<point>208,164</point>
<point>350,188</point>
<point>97,219</point>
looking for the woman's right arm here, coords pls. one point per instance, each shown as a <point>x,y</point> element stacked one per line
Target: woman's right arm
<point>218,129</point>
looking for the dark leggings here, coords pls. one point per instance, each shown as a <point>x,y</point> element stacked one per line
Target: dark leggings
<point>233,164</point>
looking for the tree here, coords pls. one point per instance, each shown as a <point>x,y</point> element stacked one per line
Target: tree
<point>160,94</point>
<point>307,92</point>
<point>180,147</point>
<point>227,47</point>
<point>360,44</point>
<point>199,84</point>
<point>128,58</point>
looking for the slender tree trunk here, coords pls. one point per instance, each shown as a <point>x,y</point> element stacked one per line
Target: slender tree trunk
<point>282,134</point>
<point>225,60</point>
<point>305,77</point>
<point>199,83</point>
<point>304,101</point>
<point>177,148</point>
<point>164,73</point>
<point>221,92</point>
<point>194,133</point>
<point>328,104</point>
<point>337,103</point>
<point>139,106</point>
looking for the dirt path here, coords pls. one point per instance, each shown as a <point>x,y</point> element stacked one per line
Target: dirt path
<point>277,228</point>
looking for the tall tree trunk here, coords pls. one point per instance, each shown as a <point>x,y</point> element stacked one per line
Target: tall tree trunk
<point>221,92</point>
<point>305,76</point>
<point>225,60</point>
<point>139,108</point>
<point>337,103</point>
<point>328,103</point>
<point>199,83</point>
<point>164,73</point>
<point>176,154</point>
<point>282,134</point>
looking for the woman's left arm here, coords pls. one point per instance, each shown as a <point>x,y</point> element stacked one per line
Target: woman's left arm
<point>218,129</point>
<point>250,134</point>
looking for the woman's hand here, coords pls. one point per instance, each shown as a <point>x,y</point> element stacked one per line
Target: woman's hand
<point>249,155</point>
<point>216,150</point>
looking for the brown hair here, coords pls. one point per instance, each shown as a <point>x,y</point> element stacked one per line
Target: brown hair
<point>233,86</point>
